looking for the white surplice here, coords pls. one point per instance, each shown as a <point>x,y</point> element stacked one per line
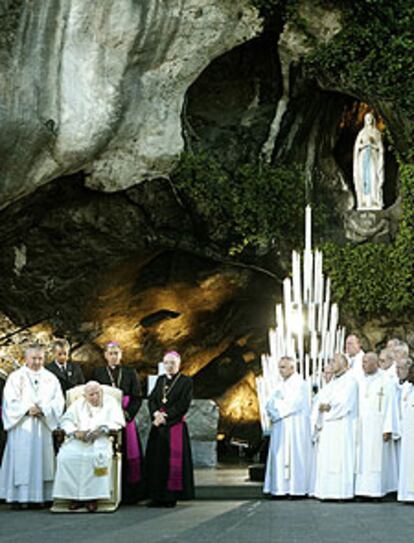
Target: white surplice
<point>377,461</point>
<point>27,470</point>
<point>391,373</point>
<point>317,418</point>
<point>335,465</point>
<point>355,365</point>
<point>287,469</point>
<point>77,476</point>
<point>406,480</point>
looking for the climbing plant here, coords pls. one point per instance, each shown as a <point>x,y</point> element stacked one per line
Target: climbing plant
<point>375,278</point>
<point>253,207</point>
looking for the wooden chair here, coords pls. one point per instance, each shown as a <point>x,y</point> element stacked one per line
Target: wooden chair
<point>112,503</point>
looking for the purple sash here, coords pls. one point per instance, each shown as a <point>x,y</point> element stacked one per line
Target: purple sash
<point>133,452</point>
<point>175,475</point>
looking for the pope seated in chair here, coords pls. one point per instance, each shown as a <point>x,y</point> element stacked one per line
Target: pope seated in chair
<point>84,460</point>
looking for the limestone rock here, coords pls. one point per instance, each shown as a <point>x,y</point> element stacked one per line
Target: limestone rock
<point>202,420</point>
<point>100,86</point>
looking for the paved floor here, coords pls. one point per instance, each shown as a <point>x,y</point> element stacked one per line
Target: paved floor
<point>227,521</point>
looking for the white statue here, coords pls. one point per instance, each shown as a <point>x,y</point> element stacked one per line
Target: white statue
<point>369,166</point>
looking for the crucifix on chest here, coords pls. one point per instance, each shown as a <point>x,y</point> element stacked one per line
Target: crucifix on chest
<point>380,397</point>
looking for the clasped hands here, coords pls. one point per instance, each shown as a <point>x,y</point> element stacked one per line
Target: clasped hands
<point>89,436</point>
<point>324,407</point>
<point>160,418</point>
<point>35,411</point>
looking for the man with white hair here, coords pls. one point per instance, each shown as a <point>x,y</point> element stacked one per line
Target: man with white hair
<point>401,351</point>
<point>336,454</point>
<point>387,364</point>
<point>84,459</point>
<point>377,457</point>
<point>354,355</point>
<point>169,461</point>
<point>32,404</point>
<point>393,342</point>
<point>288,461</point>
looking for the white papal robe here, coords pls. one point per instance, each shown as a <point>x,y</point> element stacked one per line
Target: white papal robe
<point>27,470</point>
<point>406,480</point>
<point>377,461</point>
<point>335,465</point>
<point>288,462</point>
<point>84,469</point>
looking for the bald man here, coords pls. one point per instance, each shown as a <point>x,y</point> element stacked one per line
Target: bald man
<point>336,455</point>
<point>288,461</point>
<point>377,456</point>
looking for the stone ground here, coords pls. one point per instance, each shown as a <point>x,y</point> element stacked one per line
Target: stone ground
<point>225,521</point>
<point>228,509</point>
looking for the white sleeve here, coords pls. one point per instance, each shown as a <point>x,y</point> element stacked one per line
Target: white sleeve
<point>15,404</point>
<point>343,401</point>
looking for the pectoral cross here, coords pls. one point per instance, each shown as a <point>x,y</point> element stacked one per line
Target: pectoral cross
<point>380,396</point>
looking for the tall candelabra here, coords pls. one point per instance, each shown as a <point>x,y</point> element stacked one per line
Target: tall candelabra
<point>306,323</point>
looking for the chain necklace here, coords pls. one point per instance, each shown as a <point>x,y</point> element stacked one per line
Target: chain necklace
<point>166,389</point>
<point>115,384</point>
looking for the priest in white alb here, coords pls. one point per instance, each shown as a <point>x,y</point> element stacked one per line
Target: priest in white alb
<point>288,461</point>
<point>406,479</point>
<point>388,365</point>
<point>317,418</point>
<point>32,404</point>
<point>335,464</point>
<point>83,473</point>
<point>377,454</point>
<point>354,355</point>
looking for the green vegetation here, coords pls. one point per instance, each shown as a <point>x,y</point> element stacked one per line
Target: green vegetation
<point>376,278</point>
<point>251,208</point>
<point>371,57</point>
<point>373,54</point>
<point>259,206</point>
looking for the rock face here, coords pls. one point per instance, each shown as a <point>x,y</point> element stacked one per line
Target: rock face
<point>100,86</point>
<point>98,99</point>
<point>202,420</point>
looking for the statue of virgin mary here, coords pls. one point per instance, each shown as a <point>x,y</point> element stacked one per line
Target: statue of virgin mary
<point>369,166</point>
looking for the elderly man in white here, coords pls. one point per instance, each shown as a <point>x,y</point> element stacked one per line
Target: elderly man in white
<point>336,452</point>
<point>32,404</point>
<point>84,460</point>
<point>288,462</point>
<point>377,452</point>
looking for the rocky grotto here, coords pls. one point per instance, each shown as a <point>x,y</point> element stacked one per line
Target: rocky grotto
<point>156,159</point>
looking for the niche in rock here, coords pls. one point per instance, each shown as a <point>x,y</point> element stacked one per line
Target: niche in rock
<point>231,105</point>
<point>351,123</point>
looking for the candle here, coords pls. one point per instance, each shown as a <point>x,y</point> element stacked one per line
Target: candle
<point>287,301</point>
<point>296,276</point>
<point>308,228</point>
<point>307,367</point>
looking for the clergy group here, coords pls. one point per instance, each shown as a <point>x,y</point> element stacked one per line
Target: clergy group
<point>60,431</point>
<point>354,438</point>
